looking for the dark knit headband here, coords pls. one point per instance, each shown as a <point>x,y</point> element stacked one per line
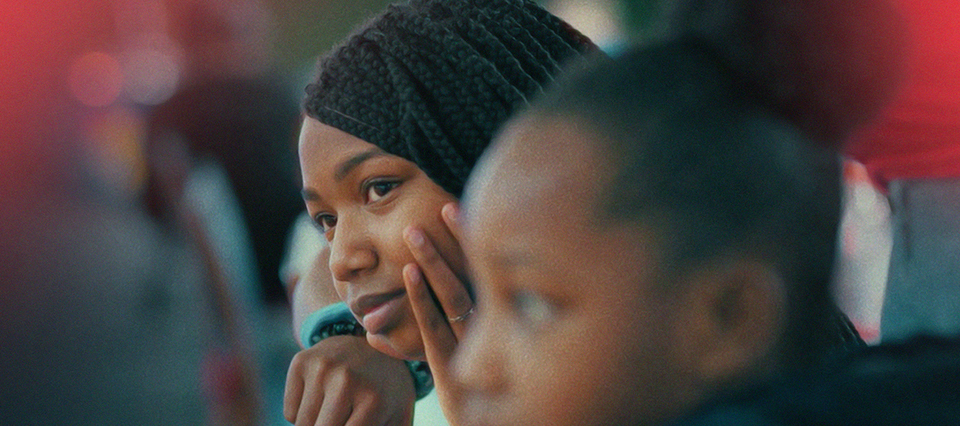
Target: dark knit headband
<point>432,80</point>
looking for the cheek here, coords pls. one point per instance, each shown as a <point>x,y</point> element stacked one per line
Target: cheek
<point>555,380</point>
<point>606,365</point>
<point>425,214</point>
<point>388,230</point>
<point>343,290</point>
<point>402,343</point>
<point>449,248</point>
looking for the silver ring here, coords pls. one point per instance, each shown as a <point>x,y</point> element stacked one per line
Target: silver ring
<point>463,317</point>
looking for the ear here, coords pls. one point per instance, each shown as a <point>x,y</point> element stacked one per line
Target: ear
<point>735,308</point>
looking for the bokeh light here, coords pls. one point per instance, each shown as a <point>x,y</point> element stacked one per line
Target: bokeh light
<point>95,79</point>
<point>153,75</point>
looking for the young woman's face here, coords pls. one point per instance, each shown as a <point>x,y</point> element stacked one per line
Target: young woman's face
<point>362,199</point>
<point>571,327</point>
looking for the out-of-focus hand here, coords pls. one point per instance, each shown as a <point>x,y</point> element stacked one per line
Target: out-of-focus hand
<point>442,326</point>
<point>343,381</point>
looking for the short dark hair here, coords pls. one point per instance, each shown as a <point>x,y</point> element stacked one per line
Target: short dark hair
<point>698,152</point>
<point>728,128</point>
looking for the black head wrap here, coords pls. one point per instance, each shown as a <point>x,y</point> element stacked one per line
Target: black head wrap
<point>432,80</point>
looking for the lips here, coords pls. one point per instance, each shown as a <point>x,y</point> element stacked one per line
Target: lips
<point>378,311</point>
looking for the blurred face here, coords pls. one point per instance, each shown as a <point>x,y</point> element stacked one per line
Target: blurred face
<point>571,327</point>
<point>362,199</point>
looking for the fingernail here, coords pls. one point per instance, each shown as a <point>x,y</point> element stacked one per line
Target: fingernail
<point>415,237</point>
<point>413,275</point>
<point>450,211</point>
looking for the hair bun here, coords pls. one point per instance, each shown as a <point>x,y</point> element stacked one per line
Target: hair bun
<point>828,66</point>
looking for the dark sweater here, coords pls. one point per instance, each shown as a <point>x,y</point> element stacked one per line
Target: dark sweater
<point>912,383</point>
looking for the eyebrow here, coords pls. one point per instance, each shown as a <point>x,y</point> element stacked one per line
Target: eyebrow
<point>344,169</point>
<point>351,163</point>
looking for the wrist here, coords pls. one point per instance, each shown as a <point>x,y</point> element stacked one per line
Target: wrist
<point>422,378</point>
<point>328,321</point>
<point>337,320</point>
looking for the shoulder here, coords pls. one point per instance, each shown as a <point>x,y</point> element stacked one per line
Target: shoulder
<point>911,383</point>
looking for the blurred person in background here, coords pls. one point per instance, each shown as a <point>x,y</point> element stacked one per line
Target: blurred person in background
<point>104,320</point>
<point>232,109</point>
<point>226,141</point>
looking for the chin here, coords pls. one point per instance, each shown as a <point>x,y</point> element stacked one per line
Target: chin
<point>394,345</point>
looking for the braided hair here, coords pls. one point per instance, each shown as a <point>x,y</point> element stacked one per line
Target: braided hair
<point>431,81</point>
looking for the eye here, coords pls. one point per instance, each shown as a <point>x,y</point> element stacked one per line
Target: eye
<point>379,189</point>
<point>325,222</point>
<point>533,308</point>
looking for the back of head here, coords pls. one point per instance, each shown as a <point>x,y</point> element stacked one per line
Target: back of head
<point>432,80</point>
<point>717,169</point>
<point>727,130</point>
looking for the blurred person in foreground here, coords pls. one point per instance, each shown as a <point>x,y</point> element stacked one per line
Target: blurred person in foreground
<point>665,221</point>
<point>913,376</point>
<point>911,151</point>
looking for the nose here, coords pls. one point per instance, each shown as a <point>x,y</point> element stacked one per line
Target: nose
<point>352,250</point>
<point>478,364</point>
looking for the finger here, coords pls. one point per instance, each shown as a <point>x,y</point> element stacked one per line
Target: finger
<point>438,339</point>
<point>402,418</point>
<point>292,393</point>
<point>365,413</point>
<point>451,293</point>
<point>451,216</point>
<point>335,411</point>
<point>309,405</point>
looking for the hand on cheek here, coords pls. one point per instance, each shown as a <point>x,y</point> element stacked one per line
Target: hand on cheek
<point>442,305</point>
<point>452,294</point>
